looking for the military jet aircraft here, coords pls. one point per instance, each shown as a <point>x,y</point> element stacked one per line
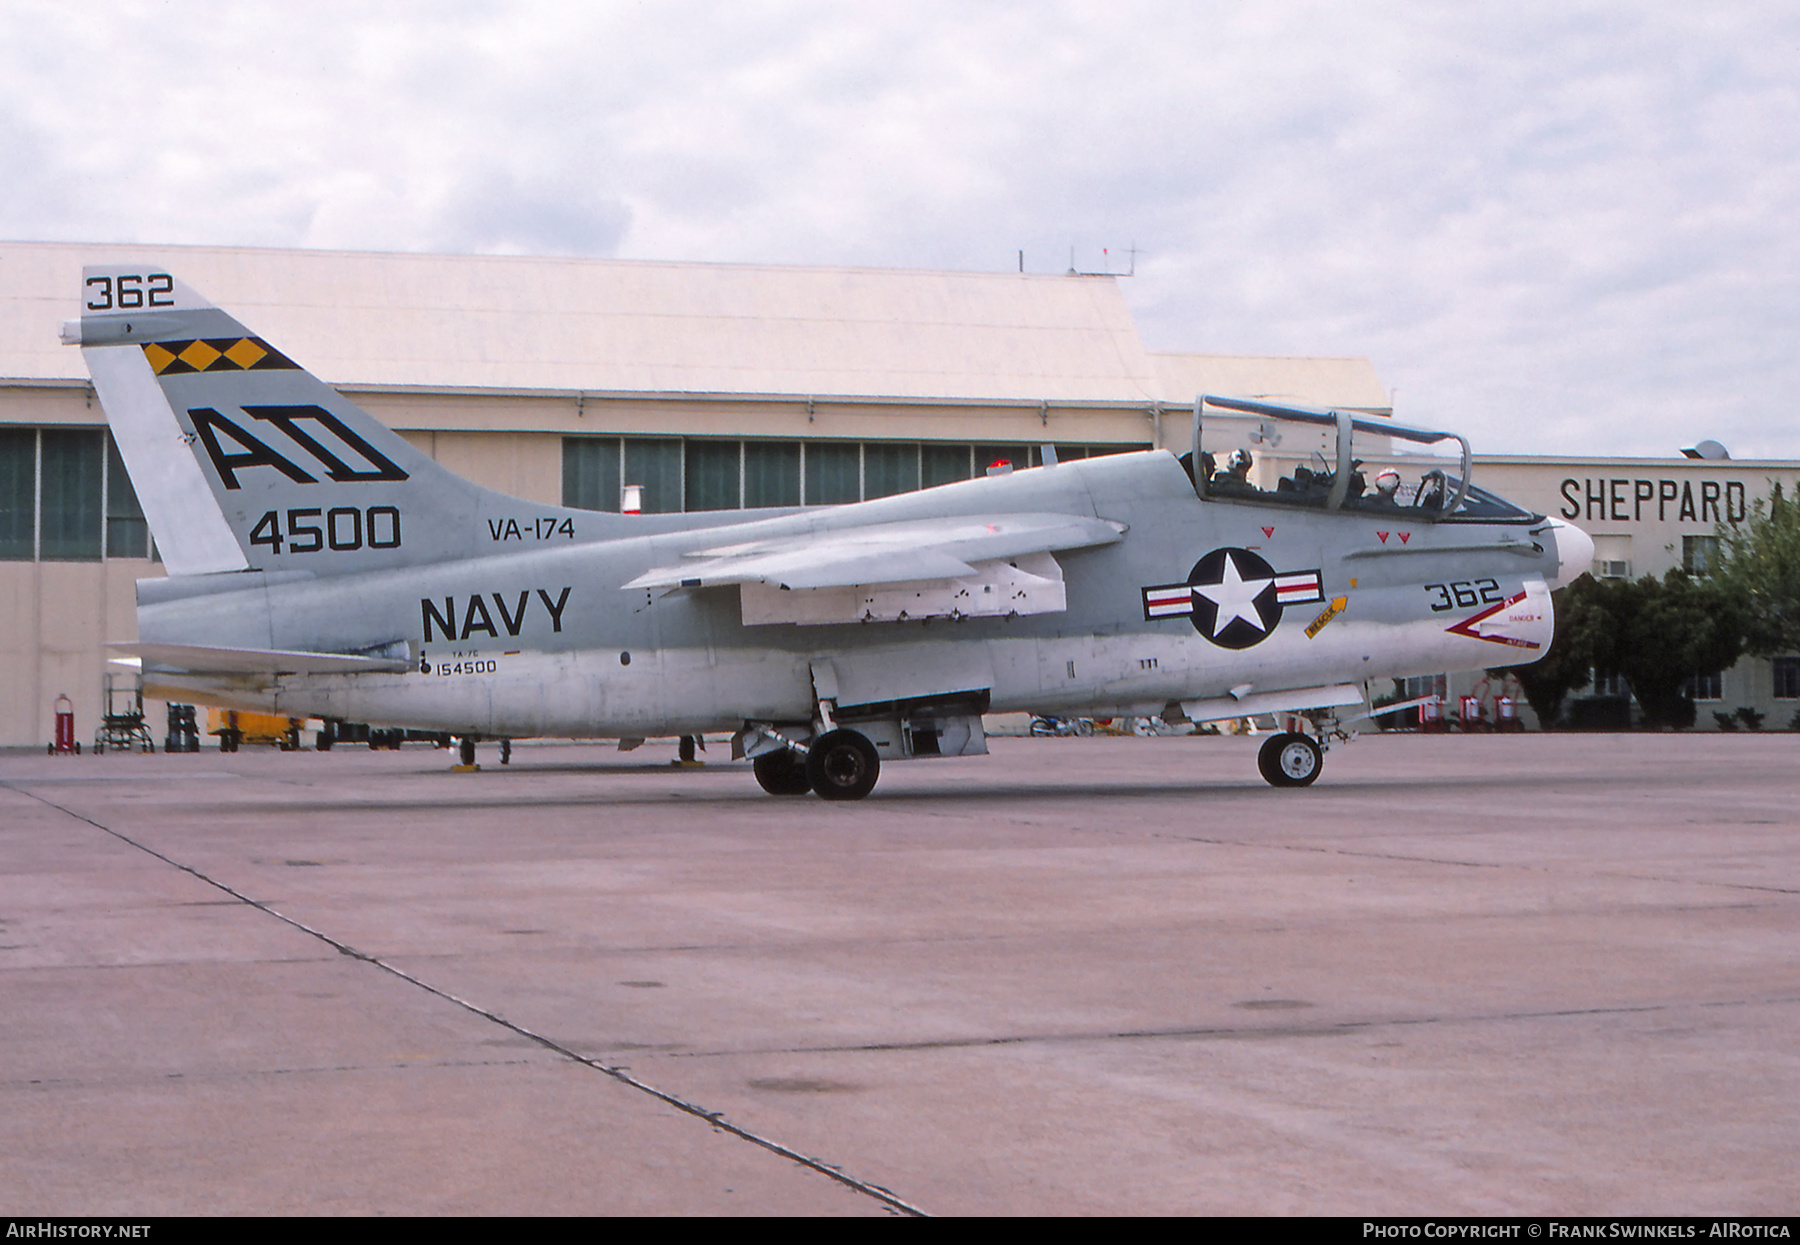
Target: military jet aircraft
<point>319,565</point>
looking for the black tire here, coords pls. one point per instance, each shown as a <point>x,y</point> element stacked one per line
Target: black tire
<point>1290,760</point>
<point>782,773</point>
<point>842,765</point>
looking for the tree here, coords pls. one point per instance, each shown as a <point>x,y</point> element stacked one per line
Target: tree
<point>1657,633</point>
<point>1669,631</point>
<point>1759,565</point>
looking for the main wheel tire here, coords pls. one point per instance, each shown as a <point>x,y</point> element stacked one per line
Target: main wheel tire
<point>842,765</point>
<point>1290,760</point>
<point>782,773</point>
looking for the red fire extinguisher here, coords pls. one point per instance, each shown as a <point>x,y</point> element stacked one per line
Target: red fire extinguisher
<point>65,727</point>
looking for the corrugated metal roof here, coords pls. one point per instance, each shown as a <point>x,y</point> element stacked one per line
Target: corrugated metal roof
<point>623,326</point>
<point>1302,381</point>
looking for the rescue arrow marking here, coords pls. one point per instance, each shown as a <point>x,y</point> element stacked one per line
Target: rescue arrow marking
<point>1330,612</point>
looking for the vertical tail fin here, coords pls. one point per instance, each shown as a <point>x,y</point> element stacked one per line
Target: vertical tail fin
<point>244,460</point>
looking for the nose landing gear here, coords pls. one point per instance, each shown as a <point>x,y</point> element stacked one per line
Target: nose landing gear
<point>1290,759</point>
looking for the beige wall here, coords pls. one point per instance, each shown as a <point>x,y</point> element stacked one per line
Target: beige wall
<point>55,402</point>
<point>58,617</point>
<point>771,418</point>
<point>1625,504</point>
<point>1606,497</point>
<point>526,464</point>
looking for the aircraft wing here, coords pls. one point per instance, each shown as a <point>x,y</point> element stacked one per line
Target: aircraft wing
<point>197,659</point>
<point>957,566</point>
<point>884,553</point>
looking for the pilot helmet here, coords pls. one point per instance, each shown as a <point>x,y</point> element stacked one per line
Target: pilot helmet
<point>1387,481</point>
<point>1238,464</point>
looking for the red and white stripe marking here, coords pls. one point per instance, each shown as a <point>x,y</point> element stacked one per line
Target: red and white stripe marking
<point>1298,589</point>
<point>1168,602</point>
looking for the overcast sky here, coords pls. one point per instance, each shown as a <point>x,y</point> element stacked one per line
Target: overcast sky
<point>1558,227</point>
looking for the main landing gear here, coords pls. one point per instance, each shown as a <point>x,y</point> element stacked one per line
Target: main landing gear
<point>841,764</point>
<point>782,773</point>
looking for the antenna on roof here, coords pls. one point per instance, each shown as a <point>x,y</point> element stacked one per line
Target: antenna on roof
<point>1105,263</point>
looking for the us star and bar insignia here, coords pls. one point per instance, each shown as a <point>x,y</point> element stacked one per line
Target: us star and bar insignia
<point>1233,597</point>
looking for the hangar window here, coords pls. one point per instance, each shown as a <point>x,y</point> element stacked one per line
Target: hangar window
<point>945,464</point>
<point>591,472</point>
<point>889,468</point>
<point>1020,456</point>
<point>69,492</point>
<point>1704,686</point>
<point>1610,683</point>
<point>714,475</point>
<point>710,473</point>
<point>771,473</point>
<point>127,534</point>
<point>65,497</point>
<point>832,471</point>
<point>1787,678</point>
<point>655,464</point>
<point>1699,553</point>
<point>1423,685</point>
<point>18,494</point>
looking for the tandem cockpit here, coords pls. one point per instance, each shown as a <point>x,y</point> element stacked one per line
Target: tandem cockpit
<point>1336,461</point>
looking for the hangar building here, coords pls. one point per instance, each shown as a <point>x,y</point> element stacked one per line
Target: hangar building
<point>713,386</point>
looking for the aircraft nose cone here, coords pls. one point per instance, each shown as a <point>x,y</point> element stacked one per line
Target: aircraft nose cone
<point>1574,552</point>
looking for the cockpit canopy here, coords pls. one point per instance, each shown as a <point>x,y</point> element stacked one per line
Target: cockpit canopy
<point>1244,450</point>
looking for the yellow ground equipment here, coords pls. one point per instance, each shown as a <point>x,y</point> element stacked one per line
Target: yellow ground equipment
<point>237,726</point>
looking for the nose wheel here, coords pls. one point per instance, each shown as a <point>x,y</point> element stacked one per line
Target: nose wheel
<point>1290,760</point>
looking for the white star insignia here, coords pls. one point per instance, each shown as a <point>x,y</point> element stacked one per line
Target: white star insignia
<point>1235,597</point>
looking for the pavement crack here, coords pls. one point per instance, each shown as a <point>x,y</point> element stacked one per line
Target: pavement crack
<point>1406,858</point>
<point>1343,1028</point>
<point>715,1118</point>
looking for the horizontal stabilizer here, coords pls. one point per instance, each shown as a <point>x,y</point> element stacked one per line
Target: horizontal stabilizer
<point>884,553</point>
<point>197,659</point>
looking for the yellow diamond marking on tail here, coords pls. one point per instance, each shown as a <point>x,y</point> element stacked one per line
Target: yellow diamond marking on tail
<point>245,353</point>
<point>199,356</point>
<point>159,357</point>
